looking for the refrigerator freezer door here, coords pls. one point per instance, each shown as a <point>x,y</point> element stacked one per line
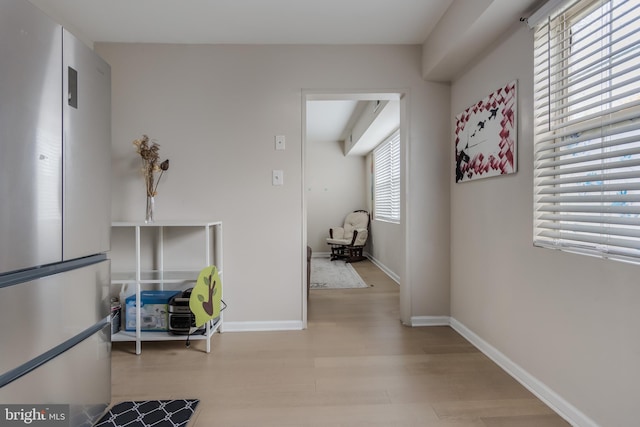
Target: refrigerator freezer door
<point>60,339</point>
<point>87,150</point>
<point>30,137</point>
<point>81,379</point>
<point>40,314</point>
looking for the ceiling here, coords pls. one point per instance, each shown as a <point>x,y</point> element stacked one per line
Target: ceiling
<point>250,21</point>
<point>337,120</point>
<point>448,30</point>
<point>327,120</point>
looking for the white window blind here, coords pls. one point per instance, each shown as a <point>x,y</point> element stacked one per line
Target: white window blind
<point>587,129</point>
<point>386,172</point>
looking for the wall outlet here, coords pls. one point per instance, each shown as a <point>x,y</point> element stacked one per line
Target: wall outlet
<point>279,141</point>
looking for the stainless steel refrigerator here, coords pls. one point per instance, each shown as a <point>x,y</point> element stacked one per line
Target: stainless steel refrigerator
<point>55,163</point>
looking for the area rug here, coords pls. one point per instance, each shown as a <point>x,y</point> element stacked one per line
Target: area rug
<point>326,274</point>
<point>148,413</point>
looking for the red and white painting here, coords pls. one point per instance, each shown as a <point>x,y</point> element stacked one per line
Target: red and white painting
<point>485,136</point>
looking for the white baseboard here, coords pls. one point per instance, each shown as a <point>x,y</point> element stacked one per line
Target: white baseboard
<point>430,321</point>
<point>384,268</point>
<point>320,254</point>
<point>565,409</point>
<point>263,326</point>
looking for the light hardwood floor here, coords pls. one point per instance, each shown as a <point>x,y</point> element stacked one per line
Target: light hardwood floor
<point>355,365</point>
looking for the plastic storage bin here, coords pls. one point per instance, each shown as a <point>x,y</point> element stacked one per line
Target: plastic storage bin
<point>154,311</point>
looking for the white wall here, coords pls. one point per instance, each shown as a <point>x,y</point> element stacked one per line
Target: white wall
<point>335,185</point>
<point>385,247</point>
<point>215,111</point>
<point>570,321</point>
<point>385,243</point>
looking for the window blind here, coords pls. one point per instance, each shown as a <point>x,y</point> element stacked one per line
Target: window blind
<point>587,129</point>
<point>386,171</point>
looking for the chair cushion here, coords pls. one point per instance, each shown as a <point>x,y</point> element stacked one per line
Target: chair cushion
<point>336,233</point>
<point>355,221</point>
<point>338,241</point>
<point>344,235</point>
<point>361,239</point>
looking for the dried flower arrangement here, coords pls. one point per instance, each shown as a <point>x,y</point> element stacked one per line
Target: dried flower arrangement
<point>149,152</point>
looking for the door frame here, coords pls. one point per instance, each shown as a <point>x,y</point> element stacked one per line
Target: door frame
<point>361,95</point>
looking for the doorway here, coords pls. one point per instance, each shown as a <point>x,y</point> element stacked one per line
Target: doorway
<point>346,143</point>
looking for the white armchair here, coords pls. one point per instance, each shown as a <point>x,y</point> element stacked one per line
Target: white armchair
<point>347,242</point>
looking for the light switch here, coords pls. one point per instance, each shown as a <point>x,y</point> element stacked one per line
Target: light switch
<point>280,140</point>
<point>277,178</point>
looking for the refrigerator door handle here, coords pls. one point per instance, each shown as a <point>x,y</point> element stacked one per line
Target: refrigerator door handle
<point>16,278</point>
<point>72,96</point>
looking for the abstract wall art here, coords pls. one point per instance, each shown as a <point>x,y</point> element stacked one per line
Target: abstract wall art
<point>485,136</point>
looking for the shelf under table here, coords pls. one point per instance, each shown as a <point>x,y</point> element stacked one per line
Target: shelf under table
<point>130,336</point>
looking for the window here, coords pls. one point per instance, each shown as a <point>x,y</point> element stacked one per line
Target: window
<point>587,129</point>
<point>386,179</point>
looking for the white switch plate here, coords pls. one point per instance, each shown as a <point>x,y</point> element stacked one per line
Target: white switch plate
<point>277,177</point>
<point>280,140</point>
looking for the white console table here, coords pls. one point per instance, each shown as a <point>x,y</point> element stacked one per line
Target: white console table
<point>141,275</point>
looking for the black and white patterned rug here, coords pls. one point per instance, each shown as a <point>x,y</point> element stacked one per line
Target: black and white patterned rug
<point>149,413</point>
